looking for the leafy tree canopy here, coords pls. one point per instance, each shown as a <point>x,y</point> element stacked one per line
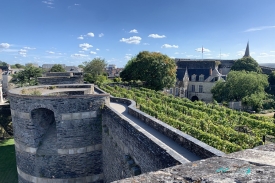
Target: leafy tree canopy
<point>17,66</point>
<point>95,67</point>
<point>27,76</point>
<point>3,63</point>
<point>94,71</point>
<point>155,69</point>
<point>271,78</point>
<point>241,85</point>
<point>57,68</point>
<point>247,64</point>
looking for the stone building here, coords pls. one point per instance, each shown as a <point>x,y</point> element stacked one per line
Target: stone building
<point>196,78</point>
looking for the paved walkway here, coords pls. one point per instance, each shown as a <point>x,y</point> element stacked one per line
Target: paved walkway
<point>184,153</point>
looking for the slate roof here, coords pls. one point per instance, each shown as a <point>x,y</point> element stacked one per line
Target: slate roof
<point>180,73</point>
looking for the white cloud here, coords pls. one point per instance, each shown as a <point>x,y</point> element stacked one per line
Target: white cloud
<point>259,28</point>
<point>146,44</point>
<point>80,37</point>
<point>100,35</point>
<point>22,52</point>
<point>204,50</point>
<point>224,55</point>
<point>169,46</point>
<point>50,52</point>
<point>85,46</point>
<point>4,45</point>
<point>49,2</point>
<point>131,40</point>
<point>240,53</point>
<point>78,55</point>
<point>156,36</point>
<point>265,55</point>
<point>178,53</point>
<point>272,51</point>
<point>133,31</point>
<point>29,48</point>
<point>81,51</point>
<point>90,34</point>
<point>93,52</point>
<point>76,4</point>
<point>107,49</point>
<point>173,57</point>
<point>97,49</point>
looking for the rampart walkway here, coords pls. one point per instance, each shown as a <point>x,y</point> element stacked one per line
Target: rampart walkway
<point>184,153</point>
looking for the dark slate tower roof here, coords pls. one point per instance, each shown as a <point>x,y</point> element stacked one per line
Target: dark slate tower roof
<point>247,51</point>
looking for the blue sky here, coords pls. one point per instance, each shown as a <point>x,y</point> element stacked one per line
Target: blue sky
<point>73,31</point>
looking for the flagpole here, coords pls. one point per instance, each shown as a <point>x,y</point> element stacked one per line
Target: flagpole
<point>202,53</point>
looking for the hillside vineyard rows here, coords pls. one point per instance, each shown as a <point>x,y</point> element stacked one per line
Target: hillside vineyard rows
<point>212,124</point>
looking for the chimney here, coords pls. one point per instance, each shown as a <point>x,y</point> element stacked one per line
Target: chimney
<point>210,71</point>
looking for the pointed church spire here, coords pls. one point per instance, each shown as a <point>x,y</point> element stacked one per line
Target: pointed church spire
<point>247,50</point>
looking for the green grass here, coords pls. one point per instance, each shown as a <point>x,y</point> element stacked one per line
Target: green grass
<point>8,172</point>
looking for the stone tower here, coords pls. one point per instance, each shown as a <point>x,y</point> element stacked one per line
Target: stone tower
<point>57,133</point>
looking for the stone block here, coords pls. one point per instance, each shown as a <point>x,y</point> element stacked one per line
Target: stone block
<point>90,148</point>
<point>76,115</point>
<point>98,147</point>
<point>81,150</point>
<point>93,114</point>
<point>67,116</point>
<point>24,115</point>
<point>85,115</point>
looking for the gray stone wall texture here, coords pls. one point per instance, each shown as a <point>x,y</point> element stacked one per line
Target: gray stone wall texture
<point>60,80</point>
<point>58,138</point>
<point>127,151</point>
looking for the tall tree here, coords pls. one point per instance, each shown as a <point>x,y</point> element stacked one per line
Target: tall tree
<point>3,63</point>
<point>28,76</point>
<point>93,69</point>
<point>57,68</point>
<point>241,86</point>
<point>247,64</point>
<point>155,69</point>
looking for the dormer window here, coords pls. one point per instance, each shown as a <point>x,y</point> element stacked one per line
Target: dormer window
<point>201,77</point>
<point>193,77</point>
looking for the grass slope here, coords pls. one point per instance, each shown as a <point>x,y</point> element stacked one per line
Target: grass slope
<point>8,172</point>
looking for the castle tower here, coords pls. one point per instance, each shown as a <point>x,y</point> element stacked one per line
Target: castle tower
<point>57,134</point>
<point>247,50</point>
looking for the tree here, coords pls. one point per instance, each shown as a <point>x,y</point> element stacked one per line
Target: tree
<point>3,63</point>
<point>248,87</point>
<point>17,66</point>
<point>155,69</point>
<point>271,78</point>
<point>28,76</point>
<point>57,68</point>
<point>247,64</point>
<point>94,69</point>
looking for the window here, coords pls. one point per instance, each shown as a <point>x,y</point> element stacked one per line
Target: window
<point>171,90</point>
<point>193,88</point>
<point>200,88</point>
<point>201,77</point>
<point>193,77</point>
<point>177,91</point>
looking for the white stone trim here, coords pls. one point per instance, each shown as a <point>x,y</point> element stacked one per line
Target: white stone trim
<point>79,115</point>
<point>22,115</point>
<point>80,150</point>
<point>30,178</point>
<point>21,147</point>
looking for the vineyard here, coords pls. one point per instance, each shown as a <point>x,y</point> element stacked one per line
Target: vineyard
<point>222,128</point>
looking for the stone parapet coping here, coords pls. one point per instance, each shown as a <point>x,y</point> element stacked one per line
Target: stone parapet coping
<point>86,179</point>
<point>21,147</point>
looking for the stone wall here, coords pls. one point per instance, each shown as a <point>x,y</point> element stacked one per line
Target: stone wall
<point>192,144</point>
<point>58,138</point>
<point>251,165</point>
<point>127,150</point>
<point>49,74</point>
<point>59,80</point>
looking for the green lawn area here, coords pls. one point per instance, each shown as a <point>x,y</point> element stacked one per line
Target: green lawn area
<point>8,172</point>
